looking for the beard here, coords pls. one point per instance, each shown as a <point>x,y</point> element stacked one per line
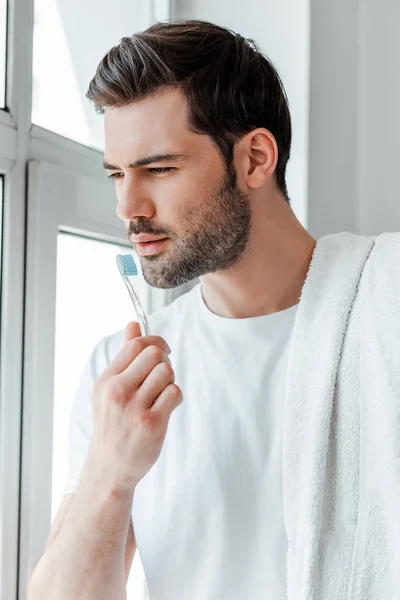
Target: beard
<point>215,243</point>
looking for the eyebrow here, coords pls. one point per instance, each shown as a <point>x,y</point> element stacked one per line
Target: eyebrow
<point>148,160</point>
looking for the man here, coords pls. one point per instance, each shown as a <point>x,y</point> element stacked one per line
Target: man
<point>224,495</point>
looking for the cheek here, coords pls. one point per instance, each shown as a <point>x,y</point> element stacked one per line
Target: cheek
<point>191,200</point>
<point>182,200</point>
<point>192,212</point>
<point>187,212</point>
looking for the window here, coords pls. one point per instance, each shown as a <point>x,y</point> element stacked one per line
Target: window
<point>1,447</point>
<point>91,302</point>
<point>65,57</point>
<point>74,292</point>
<point>1,225</point>
<point>3,51</point>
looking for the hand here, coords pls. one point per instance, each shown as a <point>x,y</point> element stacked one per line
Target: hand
<point>132,402</point>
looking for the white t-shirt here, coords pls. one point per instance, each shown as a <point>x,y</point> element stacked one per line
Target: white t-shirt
<point>208,516</point>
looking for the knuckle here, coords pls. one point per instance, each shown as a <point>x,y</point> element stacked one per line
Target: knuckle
<point>163,343</point>
<point>155,353</point>
<point>166,369</point>
<point>150,420</point>
<point>135,345</point>
<point>114,390</point>
<point>175,392</point>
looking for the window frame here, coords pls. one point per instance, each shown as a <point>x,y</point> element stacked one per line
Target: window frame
<point>20,143</point>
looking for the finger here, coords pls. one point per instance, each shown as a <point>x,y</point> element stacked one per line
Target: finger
<point>132,331</point>
<point>167,401</point>
<point>136,372</point>
<point>155,383</point>
<point>131,351</point>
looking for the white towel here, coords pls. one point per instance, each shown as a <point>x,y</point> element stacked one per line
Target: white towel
<point>341,444</point>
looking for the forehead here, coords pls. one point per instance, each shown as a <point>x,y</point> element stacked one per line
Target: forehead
<point>157,122</point>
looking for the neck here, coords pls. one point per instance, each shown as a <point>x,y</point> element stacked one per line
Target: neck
<point>270,274</point>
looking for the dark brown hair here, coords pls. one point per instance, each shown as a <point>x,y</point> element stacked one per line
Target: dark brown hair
<point>231,88</point>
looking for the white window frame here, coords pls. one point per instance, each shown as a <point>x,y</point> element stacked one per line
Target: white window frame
<point>22,143</point>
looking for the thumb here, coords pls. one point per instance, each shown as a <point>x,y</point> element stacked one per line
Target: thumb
<point>132,331</point>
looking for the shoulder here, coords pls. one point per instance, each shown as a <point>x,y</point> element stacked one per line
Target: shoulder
<point>381,276</point>
<point>386,249</point>
<point>382,267</point>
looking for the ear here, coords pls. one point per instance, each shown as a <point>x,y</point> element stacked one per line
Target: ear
<point>259,156</point>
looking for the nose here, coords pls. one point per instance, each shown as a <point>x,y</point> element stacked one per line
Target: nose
<point>132,202</point>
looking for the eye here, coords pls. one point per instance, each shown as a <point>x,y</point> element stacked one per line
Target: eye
<point>159,170</point>
<point>155,170</point>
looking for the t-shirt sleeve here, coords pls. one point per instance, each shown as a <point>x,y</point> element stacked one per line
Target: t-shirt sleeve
<point>80,427</point>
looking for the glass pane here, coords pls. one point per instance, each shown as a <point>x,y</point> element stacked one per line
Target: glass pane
<point>3,497</point>
<point>70,38</point>
<point>3,43</point>
<point>91,302</point>
<point>1,227</point>
<point>1,220</point>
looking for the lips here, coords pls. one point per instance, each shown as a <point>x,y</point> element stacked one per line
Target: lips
<point>143,239</point>
<point>147,248</point>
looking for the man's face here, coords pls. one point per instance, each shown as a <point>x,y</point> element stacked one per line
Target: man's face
<point>191,200</point>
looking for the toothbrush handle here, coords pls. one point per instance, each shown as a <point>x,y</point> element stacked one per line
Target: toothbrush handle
<point>143,323</point>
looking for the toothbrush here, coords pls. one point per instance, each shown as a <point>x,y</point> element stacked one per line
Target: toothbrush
<point>127,267</point>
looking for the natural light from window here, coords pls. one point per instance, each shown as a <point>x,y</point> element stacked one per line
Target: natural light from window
<point>91,302</point>
<point>1,222</point>
<point>70,38</point>
<point>3,52</point>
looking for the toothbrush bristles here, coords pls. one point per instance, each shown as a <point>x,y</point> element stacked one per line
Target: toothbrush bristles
<point>127,264</point>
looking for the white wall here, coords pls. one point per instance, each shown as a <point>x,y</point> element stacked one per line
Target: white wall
<point>379,145</point>
<point>354,116</point>
<point>334,114</point>
<point>281,28</point>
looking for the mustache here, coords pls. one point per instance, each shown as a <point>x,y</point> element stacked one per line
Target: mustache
<point>135,229</point>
